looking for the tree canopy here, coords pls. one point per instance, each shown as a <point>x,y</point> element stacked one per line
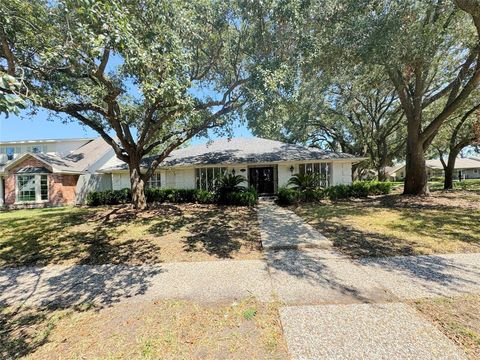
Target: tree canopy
<point>146,75</point>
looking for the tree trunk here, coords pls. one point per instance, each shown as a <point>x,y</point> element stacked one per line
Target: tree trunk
<point>138,186</point>
<point>382,175</point>
<point>452,157</point>
<point>416,181</point>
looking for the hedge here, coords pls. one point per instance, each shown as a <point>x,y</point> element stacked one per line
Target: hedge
<point>248,197</point>
<point>358,189</point>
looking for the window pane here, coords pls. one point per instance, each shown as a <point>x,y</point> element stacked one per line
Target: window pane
<point>210,179</point>
<point>308,168</point>
<point>44,187</point>
<point>26,187</point>
<point>154,181</point>
<point>316,168</point>
<point>203,178</point>
<point>301,169</point>
<point>197,178</point>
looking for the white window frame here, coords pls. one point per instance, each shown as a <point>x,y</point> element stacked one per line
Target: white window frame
<point>211,174</point>
<point>38,189</point>
<point>316,167</point>
<point>155,181</point>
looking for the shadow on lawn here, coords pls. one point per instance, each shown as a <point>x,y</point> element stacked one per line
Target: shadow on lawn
<point>51,237</point>
<point>221,233</point>
<point>49,294</point>
<point>417,217</point>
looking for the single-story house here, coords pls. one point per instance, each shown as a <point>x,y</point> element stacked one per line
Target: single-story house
<point>267,165</point>
<point>465,168</point>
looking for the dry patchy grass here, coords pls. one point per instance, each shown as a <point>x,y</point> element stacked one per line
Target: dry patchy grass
<point>446,222</point>
<point>458,318</point>
<point>121,235</point>
<point>154,330</point>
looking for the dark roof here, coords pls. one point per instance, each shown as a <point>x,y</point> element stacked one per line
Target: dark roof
<point>238,150</point>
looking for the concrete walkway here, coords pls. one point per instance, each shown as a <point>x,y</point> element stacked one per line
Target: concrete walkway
<point>208,282</point>
<point>282,229</point>
<point>359,315</point>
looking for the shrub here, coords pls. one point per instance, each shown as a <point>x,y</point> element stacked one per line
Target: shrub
<point>204,197</point>
<point>288,196</point>
<point>243,197</point>
<point>359,189</point>
<point>304,182</point>
<point>338,192</point>
<point>109,197</point>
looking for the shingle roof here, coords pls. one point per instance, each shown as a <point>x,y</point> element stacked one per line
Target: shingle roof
<point>460,163</point>
<point>237,150</point>
<point>77,161</point>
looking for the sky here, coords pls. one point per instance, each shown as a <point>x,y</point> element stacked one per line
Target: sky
<point>34,127</point>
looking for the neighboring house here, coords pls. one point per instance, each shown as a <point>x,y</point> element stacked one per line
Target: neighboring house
<point>265,164</point>
<point>52,172</point>
<point>465,168</point>
<point>33,177</point>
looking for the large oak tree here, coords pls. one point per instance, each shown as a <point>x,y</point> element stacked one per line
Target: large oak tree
<point>146,75</point>
<point>430,51</point>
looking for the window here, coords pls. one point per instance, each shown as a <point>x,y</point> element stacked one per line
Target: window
<point>44,187</point>
<point>10,151</point>
<point>32,188</point>
<point>154,181</point>
<point>26,187</point>
<point>37,149</point>
<point>206,178</point>
<point>322,169</point>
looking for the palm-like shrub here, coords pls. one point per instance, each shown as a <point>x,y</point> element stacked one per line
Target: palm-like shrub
<point>307,185</point>
<point>230,183</point>
<point>304,182</point>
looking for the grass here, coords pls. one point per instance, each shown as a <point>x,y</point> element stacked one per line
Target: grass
<point>458,318</point>
<point>148,330</point>
<point>120,235</point>
<point>446,222</point>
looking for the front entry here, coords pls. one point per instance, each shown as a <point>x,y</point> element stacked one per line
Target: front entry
<point>262,179</point>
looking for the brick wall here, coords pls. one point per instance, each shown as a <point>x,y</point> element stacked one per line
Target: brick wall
<point>61,187</point>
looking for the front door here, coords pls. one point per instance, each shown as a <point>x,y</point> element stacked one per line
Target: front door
<point>261,178</point>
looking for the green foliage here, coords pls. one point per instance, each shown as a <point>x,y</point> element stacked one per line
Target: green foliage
<point>230,183</point>
<point>170,195</point>
<point>304,182</point>
<point>109,197</point>
<point>162,72</point>
<point>243,197</point>
<point>204,197</point>
<point>359,189</point>
<point>307,186</point>
<point>288,196</point>
<point>231,192</point>
<point>249,314</point>
<point>10,102</point>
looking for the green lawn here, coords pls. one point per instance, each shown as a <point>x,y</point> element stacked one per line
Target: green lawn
<point>446,222</point>
<point>118,235</point>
